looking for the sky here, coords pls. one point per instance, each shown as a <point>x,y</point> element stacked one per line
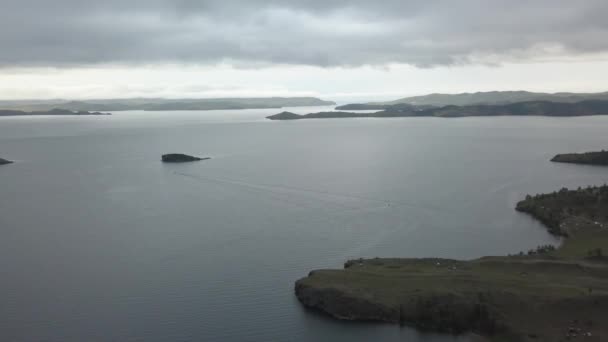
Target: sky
<point>334,49</point>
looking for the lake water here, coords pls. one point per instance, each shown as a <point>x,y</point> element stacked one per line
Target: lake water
<point>102,242</point>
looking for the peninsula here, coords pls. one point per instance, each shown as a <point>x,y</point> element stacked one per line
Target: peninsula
<point>591,158</point>
<point>533,108</point>
<point>546,294</point>
<point>9,112</point>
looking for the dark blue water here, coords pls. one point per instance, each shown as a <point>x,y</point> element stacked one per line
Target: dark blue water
<point>102,242</point>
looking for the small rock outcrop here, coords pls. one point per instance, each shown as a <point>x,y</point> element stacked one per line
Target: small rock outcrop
<point>285,116</point>
<point>4,161</point>
<point>180,158</point>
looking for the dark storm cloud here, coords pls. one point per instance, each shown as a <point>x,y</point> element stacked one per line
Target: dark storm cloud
<point>325,33</point>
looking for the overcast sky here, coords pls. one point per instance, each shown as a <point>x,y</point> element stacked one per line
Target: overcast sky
<point>342,50</point>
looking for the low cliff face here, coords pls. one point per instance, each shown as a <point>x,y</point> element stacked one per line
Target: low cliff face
<point>351,294</point>
<point>517,298</point>
<point>343,305</point>
<point>448,313</point>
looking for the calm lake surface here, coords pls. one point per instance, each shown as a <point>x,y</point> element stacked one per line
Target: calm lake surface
<point>102,242</point>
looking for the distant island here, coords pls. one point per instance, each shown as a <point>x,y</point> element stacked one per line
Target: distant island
<point>545,294</point>
<point>4,112</point>
<point>591,158</point>
<point>534,108</point>
<point>320,115</point>
<point>493,98</point>
<point>4,161</point>
<point>371,106</point>
<point>180,158</point>
<point>154,104</point>
<point>365,106</point>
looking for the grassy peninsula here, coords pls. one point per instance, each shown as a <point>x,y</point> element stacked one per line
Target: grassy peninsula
<point>546,294</point>
<point>591,158</point>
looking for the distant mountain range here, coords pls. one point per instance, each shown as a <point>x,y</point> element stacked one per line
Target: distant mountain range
<point>530,108</point>
<point>493,98</point>
<point>154,104</point>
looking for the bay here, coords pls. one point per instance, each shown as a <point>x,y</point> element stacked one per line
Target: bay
<point>102,242</point>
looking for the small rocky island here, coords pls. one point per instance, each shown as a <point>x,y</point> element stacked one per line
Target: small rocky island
<point>591,158</point>
<point>4,161</point>
<point>545,294</point>
<point>285,116</point>
<point>180,158</point>
<point>11,112</point>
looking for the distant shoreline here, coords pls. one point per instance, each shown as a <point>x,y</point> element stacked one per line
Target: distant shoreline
<point>534,108</point>
<point>152,104</point>
<point>53,112</point>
